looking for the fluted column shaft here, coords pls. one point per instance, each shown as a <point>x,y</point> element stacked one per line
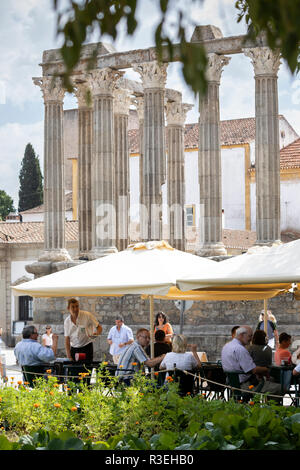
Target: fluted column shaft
<point>102,83</point>
<point>209,162</point>
<point>139,102</point>
<point>267,149</point>
<point>154,158</point>
<point>176,114</point>
<point>85,139</point>
<point>54,190</point>
<point>122,103</point>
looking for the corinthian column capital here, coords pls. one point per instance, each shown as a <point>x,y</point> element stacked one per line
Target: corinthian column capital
<point>215,66</point>
<point>52,88</point>
<point>122,101</point>
<point>83,95</point>
<point>176,112</point>
<point>153,74</point>
<point>103,81</point>
<point>138,102</point>
<point>264,60</point>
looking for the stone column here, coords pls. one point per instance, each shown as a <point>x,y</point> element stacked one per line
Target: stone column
<point>176,115</point>
<point>139,103</point>
<point>210,162</point>
<point>85,143</point>
<point>122,101</point>
<point>54,190</point>
<point>102,84</point>
<point>153,77</point>
<point>267,150</point>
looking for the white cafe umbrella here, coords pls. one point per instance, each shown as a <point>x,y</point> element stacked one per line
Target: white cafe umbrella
<point>276,267</point>
<point>150,268</point>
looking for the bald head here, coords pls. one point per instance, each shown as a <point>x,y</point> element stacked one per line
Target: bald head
<point>244,334</point>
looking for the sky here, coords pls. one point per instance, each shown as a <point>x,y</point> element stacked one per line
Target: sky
<point>27,28</point>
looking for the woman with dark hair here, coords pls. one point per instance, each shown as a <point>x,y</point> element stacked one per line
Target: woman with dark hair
<point>259,350</point>
<point>162,323</point>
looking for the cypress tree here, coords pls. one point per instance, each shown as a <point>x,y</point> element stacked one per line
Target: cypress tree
<point>31,181</point>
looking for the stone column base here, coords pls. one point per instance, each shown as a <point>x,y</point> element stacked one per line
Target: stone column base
<point>96,253</point>
<point>43,268</point>
<point>267,243</point>
<point>211,249</point>
<point>52,256</point>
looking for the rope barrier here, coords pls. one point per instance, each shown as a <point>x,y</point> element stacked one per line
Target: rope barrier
<point>195,375</point>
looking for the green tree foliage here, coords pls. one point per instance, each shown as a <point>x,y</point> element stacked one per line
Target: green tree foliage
<point>6,204</point>
<point>278,19</point>
<point>31,181</point>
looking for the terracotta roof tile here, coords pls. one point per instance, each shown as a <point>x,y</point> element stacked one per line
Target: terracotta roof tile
<point>233,131</point>
<point>32,232</point>
<point>290,155</point>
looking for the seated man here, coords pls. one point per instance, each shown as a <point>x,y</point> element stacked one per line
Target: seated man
<point>135,356</point>
<point>282,353</point>
<point>235,357</point>
<point>160,346</point>
<point>29,352</point>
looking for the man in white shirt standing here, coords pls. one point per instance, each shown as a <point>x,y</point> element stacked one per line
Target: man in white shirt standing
<point>119,337</point>
<point>80,328</point>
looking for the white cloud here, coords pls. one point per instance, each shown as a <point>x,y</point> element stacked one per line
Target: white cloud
<point>26,29</point>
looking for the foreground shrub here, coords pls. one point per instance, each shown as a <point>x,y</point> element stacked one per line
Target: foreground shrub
<point>109,416</point>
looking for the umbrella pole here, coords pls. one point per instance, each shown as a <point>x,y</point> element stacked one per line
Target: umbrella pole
<point>151,331</point>
<point>266,316</point>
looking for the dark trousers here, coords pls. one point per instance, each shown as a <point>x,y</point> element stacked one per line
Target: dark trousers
<point>88,350</point>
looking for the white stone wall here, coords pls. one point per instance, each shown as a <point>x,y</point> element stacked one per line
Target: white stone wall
<point>39,216</point>
<point>233,191</point>
<point>289,205</point>
<point>33,217</point>
<point>134,187</point>
<point>286,133</point>
<point>233,188</point>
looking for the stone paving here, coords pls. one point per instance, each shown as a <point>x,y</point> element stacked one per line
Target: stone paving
<point>12,370</point>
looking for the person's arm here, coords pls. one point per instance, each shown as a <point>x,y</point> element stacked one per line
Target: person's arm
<point>109,336</point>
<point>276,337</point>
<point>98,330</point>
<point>153,362</point>
<point>130,341</point>
<point>43,341</point>
<point>91,324</point>
<point>42,353</point>
<point>194,351</point>
<point>259,370</point>
<point>169,331</point>
<point>54,343</point>
<point>68,347</point>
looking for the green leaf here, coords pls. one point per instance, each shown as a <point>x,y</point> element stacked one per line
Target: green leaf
<point>56,444</point>
<point>5,444</point>
<point>167,439</point>
<point>73,444</point>
<point>251,436</point>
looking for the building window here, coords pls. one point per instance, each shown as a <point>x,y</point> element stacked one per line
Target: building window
<point>190,215</point>
<point>25,308</point>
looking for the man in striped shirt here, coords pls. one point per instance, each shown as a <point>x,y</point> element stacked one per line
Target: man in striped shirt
<point>135,356</point>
